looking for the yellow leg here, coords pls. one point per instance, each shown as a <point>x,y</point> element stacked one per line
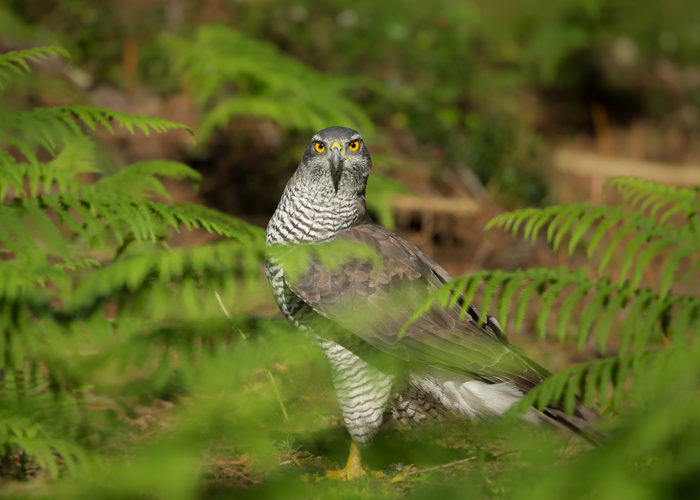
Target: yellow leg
<point>353,469</point>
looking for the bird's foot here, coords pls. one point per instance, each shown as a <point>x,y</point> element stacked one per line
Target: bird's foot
<point>353,469</point>
<point>346,474</point>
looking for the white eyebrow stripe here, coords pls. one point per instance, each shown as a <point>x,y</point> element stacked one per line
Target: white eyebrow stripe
<point>317,138</point>
<point>355,137</point>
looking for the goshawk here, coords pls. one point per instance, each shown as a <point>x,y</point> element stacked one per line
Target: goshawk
<point>443,363</point>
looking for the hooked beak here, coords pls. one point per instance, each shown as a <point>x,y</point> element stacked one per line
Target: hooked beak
<point>336,168</point>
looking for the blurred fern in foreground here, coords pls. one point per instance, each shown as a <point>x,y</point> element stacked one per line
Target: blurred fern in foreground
<point>628,311</point>
<point>638,305</point>
<point>127,361</point>
<point>98,313</point>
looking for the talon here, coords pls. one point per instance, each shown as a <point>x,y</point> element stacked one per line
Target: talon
<point>353,469</point>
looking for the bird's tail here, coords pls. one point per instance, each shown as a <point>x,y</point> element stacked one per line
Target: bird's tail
<point>580,422</point>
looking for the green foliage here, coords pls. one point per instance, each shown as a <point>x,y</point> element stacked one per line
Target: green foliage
<point>331,255</point>
<point>54,127</point>
<point>12,26</point>
<point>231,75</point>
<point>18,62</point>
<point>78,240</point>
<point>381,190</point>
<point>460,77</point>
<point>644,321</point>
<point>104,316</point>
<point>645,330</point>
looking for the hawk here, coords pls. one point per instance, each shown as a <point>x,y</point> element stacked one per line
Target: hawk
<point>443,363</point>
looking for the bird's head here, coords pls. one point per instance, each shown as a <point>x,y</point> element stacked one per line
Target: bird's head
<point>337,157</point>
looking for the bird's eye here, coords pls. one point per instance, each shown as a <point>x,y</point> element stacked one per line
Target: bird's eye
<point>319,147</point>
<point>354,145</point>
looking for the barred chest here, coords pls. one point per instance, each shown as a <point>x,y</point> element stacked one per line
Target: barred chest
<point>304,217</point>
<point>292,307</point>
<point>307,216</point>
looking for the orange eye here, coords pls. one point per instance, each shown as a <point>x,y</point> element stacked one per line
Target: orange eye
<point>319,147</point>
<point>354,145</point>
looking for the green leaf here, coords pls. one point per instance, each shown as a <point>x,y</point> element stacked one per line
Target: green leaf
<point>17,62</point>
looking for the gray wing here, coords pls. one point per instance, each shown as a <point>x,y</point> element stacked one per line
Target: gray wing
<point>374,302</point>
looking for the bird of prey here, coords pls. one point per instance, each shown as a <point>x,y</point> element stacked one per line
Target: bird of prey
<point>443,363</point>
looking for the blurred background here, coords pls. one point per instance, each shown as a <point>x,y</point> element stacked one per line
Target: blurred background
<point>468,109</point>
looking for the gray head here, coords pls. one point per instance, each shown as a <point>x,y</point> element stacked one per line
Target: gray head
<point>337,159</point>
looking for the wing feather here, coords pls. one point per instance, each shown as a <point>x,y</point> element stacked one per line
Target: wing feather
<point>373,303</point>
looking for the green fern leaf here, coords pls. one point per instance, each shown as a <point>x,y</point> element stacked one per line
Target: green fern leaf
<point>608,222</point>
<point>512,282</point>
<point>593,213</point>
<point>269,84</point>
<point>567,308</point>
<point>591,312</point>
<point>644,259</point>
<point>139,179</point>
<point>17,62</point>
<point>524,301</point>
<point>51,127</point>
<point>548,297</point>
<point>495,280</point>
<point>631,251</point>
<point>573,217</point>
<point>668,274</point>
<point>614,304</point>
<point>620,234</point>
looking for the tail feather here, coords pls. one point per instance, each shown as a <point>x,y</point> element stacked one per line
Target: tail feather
<point>580,422</point>
<point>479,399</point>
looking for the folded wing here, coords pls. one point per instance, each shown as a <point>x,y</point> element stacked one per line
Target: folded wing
<point>375,301</point>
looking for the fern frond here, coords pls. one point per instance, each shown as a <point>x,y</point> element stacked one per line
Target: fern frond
<point>24,402</point>
<point>32,439</point>
<point>30,278</point>
<point>219,265</point>
<point>95,216</point>
<point>9,176</point>
<point>60,175</point>
<point>17,62</point>
<point>650,327</point>
<point>302,113</point>
<point>593,379</point>
<point>597,304</point>
<point>139,179</point>
<point>52,127</point>
<point>653,196</point>
<point>331,254</point>
<point>236,75</point>
<point>74,246</point>
<point>603,382</point>
<point>211,220</point>
<point>638,238</point>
